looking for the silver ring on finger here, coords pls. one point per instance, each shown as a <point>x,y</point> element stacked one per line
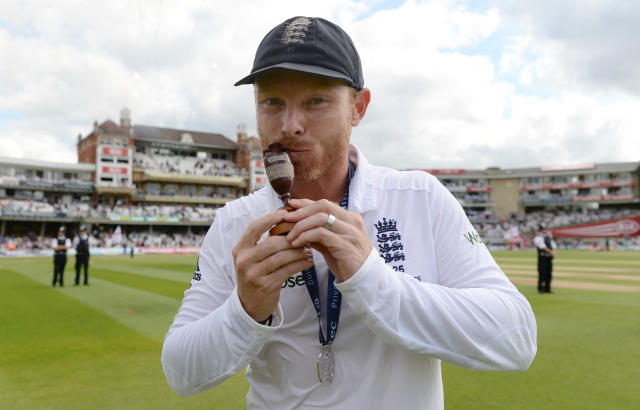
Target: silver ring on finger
<point>330,221</point>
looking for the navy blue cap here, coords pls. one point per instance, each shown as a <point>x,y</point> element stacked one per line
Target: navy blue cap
<point>309,45</point>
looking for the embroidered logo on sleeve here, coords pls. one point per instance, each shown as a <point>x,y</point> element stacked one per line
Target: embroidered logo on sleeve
<point>473,237</point>
<point>390,243</point>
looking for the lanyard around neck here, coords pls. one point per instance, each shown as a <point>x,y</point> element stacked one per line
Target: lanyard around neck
<point>334,297</point>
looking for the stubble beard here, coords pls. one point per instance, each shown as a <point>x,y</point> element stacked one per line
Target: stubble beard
<point>334,152</point>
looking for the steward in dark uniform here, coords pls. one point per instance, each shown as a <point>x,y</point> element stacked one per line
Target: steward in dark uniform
<point>81,243</point>
<point>60,246</point>
<point>546,252</point>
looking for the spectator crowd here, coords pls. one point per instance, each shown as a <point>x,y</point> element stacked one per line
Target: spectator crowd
<point>183,164</point>
<point>82,209</point>
<point>106,239</point>
<point>496,232</point>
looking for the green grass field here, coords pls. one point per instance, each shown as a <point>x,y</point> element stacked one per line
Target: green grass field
<point>98,347</point>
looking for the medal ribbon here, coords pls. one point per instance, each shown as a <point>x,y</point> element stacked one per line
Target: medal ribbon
<point>334,297</point>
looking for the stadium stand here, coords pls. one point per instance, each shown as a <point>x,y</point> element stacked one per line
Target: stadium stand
<point>164,161</point>
<point>526,225</point>
<point>161,187</point>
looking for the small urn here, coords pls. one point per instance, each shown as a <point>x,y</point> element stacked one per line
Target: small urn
<point>279,169</point>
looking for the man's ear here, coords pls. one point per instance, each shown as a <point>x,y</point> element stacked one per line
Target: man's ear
<point>360,104</point>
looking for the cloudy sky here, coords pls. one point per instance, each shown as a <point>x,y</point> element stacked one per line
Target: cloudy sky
<point>456,84</point>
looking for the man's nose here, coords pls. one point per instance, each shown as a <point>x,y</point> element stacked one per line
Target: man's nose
<point>292,122</point>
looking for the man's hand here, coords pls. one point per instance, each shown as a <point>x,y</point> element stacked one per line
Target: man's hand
<point>262,268</point>
<point>345,246</point>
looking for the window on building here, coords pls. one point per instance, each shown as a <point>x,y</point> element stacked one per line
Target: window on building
<point>190,190</point>
<point>171,189</point>
<point>23,194</point>
<point>152,188</point>
<point>207,191</point>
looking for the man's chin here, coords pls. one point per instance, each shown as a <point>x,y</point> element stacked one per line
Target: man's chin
<point>309,176</point>
<point>306,174</point>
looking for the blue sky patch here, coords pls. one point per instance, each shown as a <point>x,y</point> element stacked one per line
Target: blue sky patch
<point>8,116</point>
<point>25,31</point>
<point>381,5</point>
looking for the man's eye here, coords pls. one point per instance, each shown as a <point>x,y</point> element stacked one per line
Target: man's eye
<point>317,100</point>
<point>272,101</point>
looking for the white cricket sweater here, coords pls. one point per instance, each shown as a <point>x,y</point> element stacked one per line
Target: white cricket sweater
<point>429,291</point>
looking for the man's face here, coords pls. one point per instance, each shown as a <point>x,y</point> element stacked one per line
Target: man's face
<point>310,115</point>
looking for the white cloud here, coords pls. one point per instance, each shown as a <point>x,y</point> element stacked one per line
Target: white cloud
<point>588,44</point>
<point>549,96</point>
<point>23,139</point>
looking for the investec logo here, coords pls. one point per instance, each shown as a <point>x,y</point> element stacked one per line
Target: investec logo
<point>293,281</point>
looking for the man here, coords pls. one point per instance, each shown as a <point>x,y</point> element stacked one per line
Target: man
<point>393,283</point>
<point>60,244</point>
<point>81,243</point>
<point>546,247</point>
